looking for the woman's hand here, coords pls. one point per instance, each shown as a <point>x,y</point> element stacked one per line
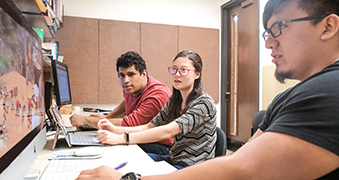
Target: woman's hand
<point>106,137</point>
<point>105,124</point>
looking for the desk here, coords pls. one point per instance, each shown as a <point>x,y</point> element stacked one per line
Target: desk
<point>138,160</point>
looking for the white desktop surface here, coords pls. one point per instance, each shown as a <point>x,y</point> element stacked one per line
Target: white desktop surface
<point>137,160</point>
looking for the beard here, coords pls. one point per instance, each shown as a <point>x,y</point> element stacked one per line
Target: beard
<point>282,76</point>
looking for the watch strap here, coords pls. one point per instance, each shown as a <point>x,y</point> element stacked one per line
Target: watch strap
<point>131,176</point>
<point>127,138</point>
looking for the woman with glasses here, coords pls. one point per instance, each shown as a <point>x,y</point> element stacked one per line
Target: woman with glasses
<point>189,116</point>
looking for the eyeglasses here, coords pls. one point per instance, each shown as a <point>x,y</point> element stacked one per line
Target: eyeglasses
<point>182,72</point>
<point>275,29</point>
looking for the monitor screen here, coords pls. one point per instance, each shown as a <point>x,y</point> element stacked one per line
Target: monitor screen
<point>22,132</point>
<point>61,85</point>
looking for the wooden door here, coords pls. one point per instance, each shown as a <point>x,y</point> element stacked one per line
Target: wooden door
<point>241,65</point>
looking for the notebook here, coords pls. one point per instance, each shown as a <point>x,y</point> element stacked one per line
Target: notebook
<point>71,138</point>
<point>68,169</point>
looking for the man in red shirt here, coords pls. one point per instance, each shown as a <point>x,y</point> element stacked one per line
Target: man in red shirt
<point>144,97</point>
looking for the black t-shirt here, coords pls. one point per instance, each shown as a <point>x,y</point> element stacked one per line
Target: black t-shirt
<point>309,111</point>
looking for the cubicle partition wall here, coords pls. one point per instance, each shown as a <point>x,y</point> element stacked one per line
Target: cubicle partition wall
<point>91,46</point>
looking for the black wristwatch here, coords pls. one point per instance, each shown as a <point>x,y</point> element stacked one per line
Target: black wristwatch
<point>127,138</point>
<point>131,176</point>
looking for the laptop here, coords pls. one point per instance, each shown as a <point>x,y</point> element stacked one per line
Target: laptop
<point>72,139</point>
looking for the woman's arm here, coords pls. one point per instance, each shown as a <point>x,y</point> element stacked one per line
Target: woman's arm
<point>155,134</point>
<point>139,134</point>
<point>123,129</point>
<point>106,124</point>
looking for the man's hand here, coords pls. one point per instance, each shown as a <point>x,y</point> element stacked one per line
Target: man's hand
<point>101,116</point>
<point>77,120</point>
<point>102,173</point>
<point>106,137</point>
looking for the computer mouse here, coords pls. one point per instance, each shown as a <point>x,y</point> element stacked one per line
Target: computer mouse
<point>88,151</point>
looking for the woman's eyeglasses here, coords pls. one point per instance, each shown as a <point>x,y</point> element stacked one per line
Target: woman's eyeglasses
<point>182,72</point>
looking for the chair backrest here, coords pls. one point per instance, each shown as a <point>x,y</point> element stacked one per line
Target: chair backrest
<point>257,118</point>
<point>220,148</point>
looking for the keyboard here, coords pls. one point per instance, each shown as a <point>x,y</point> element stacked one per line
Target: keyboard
<point>68,169</point>
<point>87,127</point>
<point>84,139</point>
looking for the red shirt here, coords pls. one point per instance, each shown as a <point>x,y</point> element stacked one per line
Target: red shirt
<point>141,109</point>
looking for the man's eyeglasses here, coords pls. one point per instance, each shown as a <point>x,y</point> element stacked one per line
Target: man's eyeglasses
<point>182,72</point>
<point>275,29</point>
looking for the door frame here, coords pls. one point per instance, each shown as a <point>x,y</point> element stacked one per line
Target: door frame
<point>224,61</point>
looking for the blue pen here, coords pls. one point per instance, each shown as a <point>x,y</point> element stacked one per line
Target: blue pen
<point>120,166</point>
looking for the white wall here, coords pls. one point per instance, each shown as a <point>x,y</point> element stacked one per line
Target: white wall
<point>196,13</point>
<point>264,54</point>
<point>222,2</point>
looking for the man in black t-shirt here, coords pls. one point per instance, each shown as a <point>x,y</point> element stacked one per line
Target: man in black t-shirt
<point>299,137</point>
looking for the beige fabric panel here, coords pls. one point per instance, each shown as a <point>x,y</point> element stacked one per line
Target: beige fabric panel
<point>78,41</point>
<point>271,87</point>
<point>159,46</point>
<point>91,46</point>
<point>115,38</point>
<point>205,42</point>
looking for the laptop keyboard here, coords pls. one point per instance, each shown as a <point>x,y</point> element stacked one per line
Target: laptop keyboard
<point>87,127</point>
<point>87,139</point>
<point>68,169</point>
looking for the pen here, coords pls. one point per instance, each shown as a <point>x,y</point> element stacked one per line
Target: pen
<point>120,166</point>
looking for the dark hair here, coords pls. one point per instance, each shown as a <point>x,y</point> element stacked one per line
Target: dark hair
<point>129,59</point>
<point>176,98</point>
<point>312,7</point>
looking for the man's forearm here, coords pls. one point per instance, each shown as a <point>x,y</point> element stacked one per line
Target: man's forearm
<point>117,112</point>
<point>92,121</point>
<point>114,115</point>
<point>199,171</point>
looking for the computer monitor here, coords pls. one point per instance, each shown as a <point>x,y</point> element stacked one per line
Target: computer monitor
<point>60,83</point>
<point>22,132</point>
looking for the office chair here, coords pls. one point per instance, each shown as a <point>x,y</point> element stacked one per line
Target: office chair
<point>257,118</point>
<point>220,145</point>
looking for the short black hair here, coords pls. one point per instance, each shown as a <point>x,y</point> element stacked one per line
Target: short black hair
<point>129,59</point>
<point>312,7</point>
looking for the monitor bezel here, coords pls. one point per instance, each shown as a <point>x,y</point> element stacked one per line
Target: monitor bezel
<point>23,153</point>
